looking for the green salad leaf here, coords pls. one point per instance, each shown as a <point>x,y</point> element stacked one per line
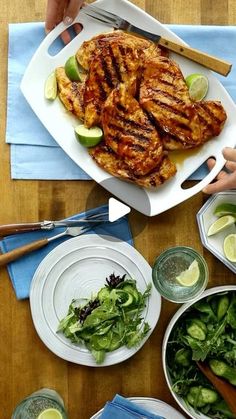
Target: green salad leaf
<point>205,332</point>
<point>109,320</point>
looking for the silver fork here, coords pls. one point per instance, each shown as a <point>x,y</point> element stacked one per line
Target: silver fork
<point>38,244</point>
<point>219,66</point>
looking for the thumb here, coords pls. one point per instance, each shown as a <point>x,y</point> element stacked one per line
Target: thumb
<point>72,11</point>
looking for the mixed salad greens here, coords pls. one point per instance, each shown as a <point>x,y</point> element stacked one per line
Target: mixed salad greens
<point>109,320</point>
<point>205,332</point>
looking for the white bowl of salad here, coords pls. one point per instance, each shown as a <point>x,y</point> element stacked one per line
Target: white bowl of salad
<point>202,330</point>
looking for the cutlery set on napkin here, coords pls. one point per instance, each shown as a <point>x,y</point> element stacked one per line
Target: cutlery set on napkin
<point>24,246</point>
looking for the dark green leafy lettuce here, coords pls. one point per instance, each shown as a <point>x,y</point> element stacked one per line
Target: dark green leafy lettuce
<point>219,318</point>
<point>110,320</point>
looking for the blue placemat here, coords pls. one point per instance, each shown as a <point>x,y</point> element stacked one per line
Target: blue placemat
<point>33,152</point>
<point>22,270</point>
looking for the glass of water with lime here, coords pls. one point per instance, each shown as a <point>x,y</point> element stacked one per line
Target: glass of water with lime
<point>180,274</point>
<point>42,404</point>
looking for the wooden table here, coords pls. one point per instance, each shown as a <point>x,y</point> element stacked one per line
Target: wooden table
<point>25,362</point>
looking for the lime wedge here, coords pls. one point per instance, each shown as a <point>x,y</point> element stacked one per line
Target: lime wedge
<point>88,137</point>
<point>50,87</point>
<point>225,209</point>
<point>72,69</point>
<point>197,86</point>
<point>221,224</point>
<point>50,414</point>
<point>190,276</point>
<point>230,247</point>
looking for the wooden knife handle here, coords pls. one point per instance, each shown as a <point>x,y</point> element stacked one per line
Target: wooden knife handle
<point>6,230</point>
<point>21,251</point>
<point>219,66</point>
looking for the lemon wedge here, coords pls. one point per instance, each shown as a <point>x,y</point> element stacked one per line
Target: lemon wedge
<point>221,224</point>
<point>190,276</point>
<point>197,86</point>
<point>50,413</point>
<point>50,87</point>
<point>226,208</point>
<point>88,137</point>
<point>72,69</point>
<point>230,247</point>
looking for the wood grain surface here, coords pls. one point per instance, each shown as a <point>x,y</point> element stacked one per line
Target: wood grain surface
<point>25,363</point>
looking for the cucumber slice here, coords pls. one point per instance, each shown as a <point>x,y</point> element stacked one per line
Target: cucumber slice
<point>132,291</point>
<point>115,342</point>
<point>103,294</point>
<point>88,137</point>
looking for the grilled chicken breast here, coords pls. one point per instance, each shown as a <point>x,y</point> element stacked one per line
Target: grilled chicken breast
<point>181,122</point>
<point>113,164</point>
<point>89,49</point>
<point>111,58</point>
<point>129,133</point>
<point>71,93</point>
<point>111,66</point>
<point>140,99</point>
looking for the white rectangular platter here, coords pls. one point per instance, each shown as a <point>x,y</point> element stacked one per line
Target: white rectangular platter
<point>61,124</point>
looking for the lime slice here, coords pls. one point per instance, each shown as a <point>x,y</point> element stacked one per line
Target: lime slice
<point>50,87</point>
<point>230,247</point>
<point>197,86</point>
<point>190,276</point>
<point>50,414</point>
<point>221,224</point>
<point>225,209</point>
<point>72,69</point>
<point>88,137</point>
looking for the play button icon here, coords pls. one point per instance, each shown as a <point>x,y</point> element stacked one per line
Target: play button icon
<point>117,209</point>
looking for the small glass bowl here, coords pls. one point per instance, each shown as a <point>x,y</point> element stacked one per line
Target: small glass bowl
<point>169,265</point>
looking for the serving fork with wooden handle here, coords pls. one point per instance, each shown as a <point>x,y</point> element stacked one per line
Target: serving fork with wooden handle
<point>227,390</point>
<point>213,63</point>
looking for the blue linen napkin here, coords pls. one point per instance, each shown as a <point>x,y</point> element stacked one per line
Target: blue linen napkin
<point>121,408</point>
<point>22,270</point>
<point>24,39</point>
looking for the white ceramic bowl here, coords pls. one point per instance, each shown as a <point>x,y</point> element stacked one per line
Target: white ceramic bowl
<point>216,290</point>
<point>205,217</point>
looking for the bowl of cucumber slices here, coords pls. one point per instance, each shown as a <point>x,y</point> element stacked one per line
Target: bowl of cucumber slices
<point>203,330</point>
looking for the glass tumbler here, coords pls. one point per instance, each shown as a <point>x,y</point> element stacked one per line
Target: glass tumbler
<point>34,406</point>
<point>169,265</point>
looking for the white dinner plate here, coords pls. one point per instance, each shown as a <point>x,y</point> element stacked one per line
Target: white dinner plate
<point>206,217</point>
<point>61,124</point>
<point>78,268</point>
<point>152,405</point>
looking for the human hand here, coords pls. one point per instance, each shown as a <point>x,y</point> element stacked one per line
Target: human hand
<point>62,10</point>
<point>226,179</point>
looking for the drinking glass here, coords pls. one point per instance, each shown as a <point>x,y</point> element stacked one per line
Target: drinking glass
<point>170,264</point>
<point>37,403</point>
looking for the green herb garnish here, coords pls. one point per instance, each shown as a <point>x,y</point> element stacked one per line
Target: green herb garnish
<point>113,318</point>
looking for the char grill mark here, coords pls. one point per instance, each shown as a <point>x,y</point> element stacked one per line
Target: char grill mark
<point>129,132</point>
<point>108,78</point>
<point>115,64</point>
<point>132,135</point>
<point>164,106</point>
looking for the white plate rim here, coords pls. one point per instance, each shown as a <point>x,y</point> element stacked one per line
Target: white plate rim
<point>152,311</point>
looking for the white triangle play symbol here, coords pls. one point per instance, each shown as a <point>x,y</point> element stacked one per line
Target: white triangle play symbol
<point>117,209</point>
